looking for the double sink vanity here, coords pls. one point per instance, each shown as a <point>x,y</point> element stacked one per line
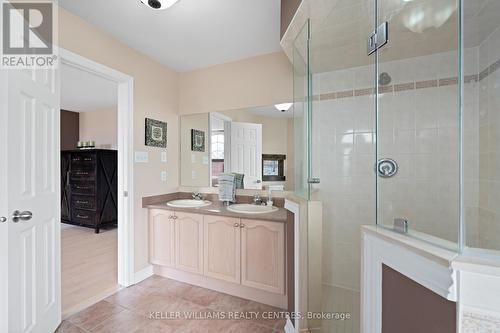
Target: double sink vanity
<point>240,249</point>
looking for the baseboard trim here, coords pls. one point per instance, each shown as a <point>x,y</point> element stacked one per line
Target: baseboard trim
<point>143,274</point>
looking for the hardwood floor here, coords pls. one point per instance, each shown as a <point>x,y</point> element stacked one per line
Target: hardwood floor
<point>89,266</point>
<point>164,305</point>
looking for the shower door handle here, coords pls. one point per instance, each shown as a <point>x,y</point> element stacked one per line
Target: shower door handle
<point>313,181</point>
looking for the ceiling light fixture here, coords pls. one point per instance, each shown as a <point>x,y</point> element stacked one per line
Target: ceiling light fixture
<point>283,107</point>
<point>159,4</point>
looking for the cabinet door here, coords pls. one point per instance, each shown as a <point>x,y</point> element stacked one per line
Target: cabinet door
<point>222,248</point>
<point>263,255</point>
<point>189,242</point>
<point>161,237</point>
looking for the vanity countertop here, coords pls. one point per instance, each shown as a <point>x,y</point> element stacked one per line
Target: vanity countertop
<point>216,208</point>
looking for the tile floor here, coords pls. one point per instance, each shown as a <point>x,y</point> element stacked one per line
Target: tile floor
<point>130,311</point>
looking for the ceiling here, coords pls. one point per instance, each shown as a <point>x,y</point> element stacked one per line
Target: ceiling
<point>192,34</point>
<point>85,92</point>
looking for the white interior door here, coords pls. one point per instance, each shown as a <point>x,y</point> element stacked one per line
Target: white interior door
<point>246,153</point>
<point>31,260</point>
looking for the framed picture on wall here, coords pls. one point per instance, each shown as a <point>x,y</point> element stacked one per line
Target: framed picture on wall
<point>156,133</point>
<point>197,140</point>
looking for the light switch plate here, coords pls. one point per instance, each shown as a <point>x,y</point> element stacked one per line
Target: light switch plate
<point>163,176</point>
<point>193,158</point>
<point>164,157</point>
<point>141,157</point>
<point>205,160</point>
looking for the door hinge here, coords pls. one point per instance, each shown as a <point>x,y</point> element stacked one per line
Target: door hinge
<point>378,38</point>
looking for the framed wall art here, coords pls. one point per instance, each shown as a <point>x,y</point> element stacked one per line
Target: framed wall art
<point>156,133</point>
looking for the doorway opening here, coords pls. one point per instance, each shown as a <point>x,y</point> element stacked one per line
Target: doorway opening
<point>96,182</point>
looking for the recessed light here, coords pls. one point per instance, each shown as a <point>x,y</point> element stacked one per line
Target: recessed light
<point>283,107</point>
<point>159,4</point>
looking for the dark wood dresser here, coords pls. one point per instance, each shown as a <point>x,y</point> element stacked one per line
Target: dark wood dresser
<point>89,186</point>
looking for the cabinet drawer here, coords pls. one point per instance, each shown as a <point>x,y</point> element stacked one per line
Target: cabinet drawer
<point>83,217</point>
<point>83,202</point>
<point>82,187</point>
<point>83,172</point>
<point>83,159</point>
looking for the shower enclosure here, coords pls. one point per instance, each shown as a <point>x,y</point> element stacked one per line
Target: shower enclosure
<point>408,135</point>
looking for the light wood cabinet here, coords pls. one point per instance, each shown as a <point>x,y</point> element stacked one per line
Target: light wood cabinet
<point>189,242</point>
<point>162,237</point>
<point>245,252</point>
<point>222,248</point>
<point>263,255</point>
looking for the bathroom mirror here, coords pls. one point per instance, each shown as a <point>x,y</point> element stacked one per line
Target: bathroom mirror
<point>255,142</point>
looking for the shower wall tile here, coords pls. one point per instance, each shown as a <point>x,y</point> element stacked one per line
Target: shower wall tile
<point>419,129</point>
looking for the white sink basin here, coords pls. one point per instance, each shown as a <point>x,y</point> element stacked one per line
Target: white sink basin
<point>251,209</point>
<point>188,203</point>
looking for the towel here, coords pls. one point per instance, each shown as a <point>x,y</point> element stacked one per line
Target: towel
<point>227,187</point>
<point>238,180</point>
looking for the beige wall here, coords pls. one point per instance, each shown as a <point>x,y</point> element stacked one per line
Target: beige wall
<point>162,94</point>
<point>195,170</point>
<point>257,81</point>
<point>155,96</point>
<point>100,126</point>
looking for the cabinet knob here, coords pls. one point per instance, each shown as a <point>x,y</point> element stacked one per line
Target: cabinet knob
<point>242,225</point>
<point>236,225</point>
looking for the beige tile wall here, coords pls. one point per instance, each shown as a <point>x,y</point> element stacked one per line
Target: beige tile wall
<point>419,128</point>
<point>487,233</point>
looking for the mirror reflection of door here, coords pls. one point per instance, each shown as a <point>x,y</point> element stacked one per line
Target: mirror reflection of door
<point>246,153</point>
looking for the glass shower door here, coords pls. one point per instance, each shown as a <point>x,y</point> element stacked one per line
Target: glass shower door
<point>342,155</point>
<point>418,127</point>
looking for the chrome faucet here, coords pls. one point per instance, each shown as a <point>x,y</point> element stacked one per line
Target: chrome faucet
<point>257,200</point>
<point>197,196</point>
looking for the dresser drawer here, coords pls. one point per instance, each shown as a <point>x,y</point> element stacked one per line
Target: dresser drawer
<point>82,187</point>
<point>78,159</point>
<point>82,173</point>
<point>83,217</point>
<point>83,202</point>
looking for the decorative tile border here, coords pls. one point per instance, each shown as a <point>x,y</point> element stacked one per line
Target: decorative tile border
<point>399,87</point>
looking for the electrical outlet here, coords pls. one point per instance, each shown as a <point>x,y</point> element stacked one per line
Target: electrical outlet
<point>163,176</point>
<point>193,174</point>
<point>205,160</point>
<point>164,157</point>
<point>193,158</point>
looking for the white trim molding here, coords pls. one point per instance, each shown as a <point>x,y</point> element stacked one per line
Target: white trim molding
<point>125,86</point>
<point>143,274</point>
<point>295,209</point>
<point>425,264</point>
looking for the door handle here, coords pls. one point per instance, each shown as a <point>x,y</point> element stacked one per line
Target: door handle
<point>21,216</point>
<point>258,181</point>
